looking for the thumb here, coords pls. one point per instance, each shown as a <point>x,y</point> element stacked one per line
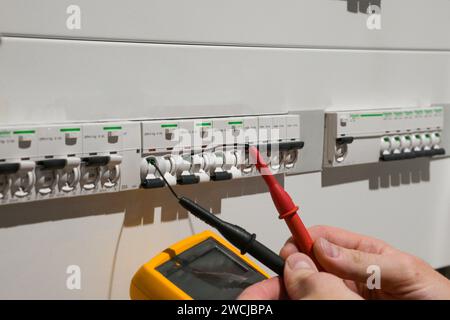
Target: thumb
<point>303,281</point>
<point>354,265</point>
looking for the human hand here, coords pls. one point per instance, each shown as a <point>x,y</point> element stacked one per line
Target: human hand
<point>301,280</point>
<point>346,255</point>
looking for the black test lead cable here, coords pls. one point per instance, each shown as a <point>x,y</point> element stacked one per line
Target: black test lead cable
<point>239,237</point>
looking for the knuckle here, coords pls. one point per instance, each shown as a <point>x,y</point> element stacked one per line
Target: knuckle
<point>311,281</point>
<point>409,265</point>
<point>320,228</point>
<point>357,257</point>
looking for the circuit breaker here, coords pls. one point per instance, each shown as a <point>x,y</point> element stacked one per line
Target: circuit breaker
<point>380,135</point>
<point>191,151</point>
<point>54,161</point>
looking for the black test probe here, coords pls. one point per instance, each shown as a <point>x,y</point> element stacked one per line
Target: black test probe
<point>239,237</point>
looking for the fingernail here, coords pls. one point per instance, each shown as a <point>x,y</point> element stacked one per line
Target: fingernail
<point>297,262</point>
<point>330,249</point>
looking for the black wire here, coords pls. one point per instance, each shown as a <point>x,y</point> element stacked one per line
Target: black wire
<point>153,163</point>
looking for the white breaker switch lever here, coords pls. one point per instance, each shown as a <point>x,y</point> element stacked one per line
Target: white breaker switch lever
<point>228,165</point>
<point>69,176</point>
<point>151,178</point>
<point>47,175</point>
<point>103,169</point>
<point>110,174</point>
<point>198,166</point>
<point>23,180</point>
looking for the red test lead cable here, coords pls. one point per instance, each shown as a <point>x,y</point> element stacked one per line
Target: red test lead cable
<point>285,206</point>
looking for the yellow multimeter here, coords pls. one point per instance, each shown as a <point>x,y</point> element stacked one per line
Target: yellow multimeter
<point>204,266</point>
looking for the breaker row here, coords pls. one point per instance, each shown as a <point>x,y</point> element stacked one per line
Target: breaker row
<point>45,162</point>
<point>60,160</point>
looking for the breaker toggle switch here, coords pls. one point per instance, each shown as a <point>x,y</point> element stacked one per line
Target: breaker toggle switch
<point>436,139</point>
<point>385,146</point>
<point>198,167</point>
<point>151,178</point>
<point>6,169</point>
<point>290,158</point>
<point>110,174</point>
<point>232,161</point>
<point>425,145</point>
<point>23,180</point>
<point>212,164</point>
<point>46,179</point>
<point>69,175</point>
<point>183,165</point>
<point>46,175</point>
<point>104,169</point>
<point>4,185</point>
<point>89,177</point>
<point>249,164</point>
<point>148,175</point>
<point>340,152</point>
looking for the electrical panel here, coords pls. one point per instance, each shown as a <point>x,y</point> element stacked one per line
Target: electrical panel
<point>366,136</point>
<point>39,162</point>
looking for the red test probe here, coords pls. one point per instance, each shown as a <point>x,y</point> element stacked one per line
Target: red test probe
<point>285,206</point>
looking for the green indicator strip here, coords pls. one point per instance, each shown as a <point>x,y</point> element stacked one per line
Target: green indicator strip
<point>408,113</point>
<point>419,111</point>
<point>170,125</point>
<point>398,113</point>
<point>235,122</point>
<point>387,114</point>
<point>69,129</point>
<point>428,111</point>
<point>204,124</point>
<point>366,115</point>
<point>437,110</point>
<point>112,128</point>
<point>24,132</point>
<point>5,133</point>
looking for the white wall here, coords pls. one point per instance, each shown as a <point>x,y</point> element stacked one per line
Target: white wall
<point>110,236</point>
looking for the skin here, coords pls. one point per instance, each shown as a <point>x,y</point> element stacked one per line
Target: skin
<point>344,256</point>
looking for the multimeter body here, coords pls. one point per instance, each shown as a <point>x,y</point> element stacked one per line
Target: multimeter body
<point>203,267</point>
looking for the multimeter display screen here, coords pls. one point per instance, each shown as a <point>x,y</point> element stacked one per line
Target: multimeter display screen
<point>210,271</point>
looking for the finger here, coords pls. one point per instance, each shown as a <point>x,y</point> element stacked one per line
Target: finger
<point>303,281</point>
<point>270,289</point>
<point>353,264</point>
<point>288,249</point>
<point>349,239</point>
